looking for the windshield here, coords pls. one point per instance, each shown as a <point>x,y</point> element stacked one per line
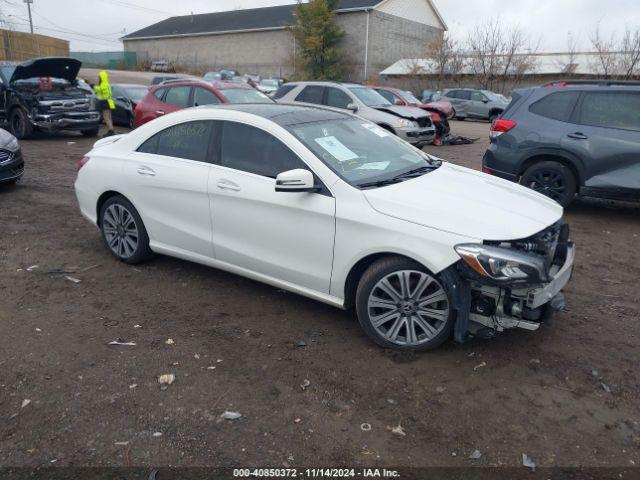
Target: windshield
<point>492,96</point>
<point>7,71</point>
<point>360,152</point>
<point>409,97</point>
<point>269,83</point>
<point>136,93</point>
<point>369,96</point>
<point>244,95</point>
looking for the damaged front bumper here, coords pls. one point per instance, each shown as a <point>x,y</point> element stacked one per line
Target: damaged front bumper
<point>79,120</point>
<point>490,302</point>
<point>417,135</point>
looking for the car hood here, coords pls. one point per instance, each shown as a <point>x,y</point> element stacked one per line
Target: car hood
<point>468,203</point>
<point>56,67</point>
<point>410,113</point>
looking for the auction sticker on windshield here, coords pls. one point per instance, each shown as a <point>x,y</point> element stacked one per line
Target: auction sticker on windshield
<point>336,148</point>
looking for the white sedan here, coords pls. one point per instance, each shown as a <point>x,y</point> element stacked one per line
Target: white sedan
<point>330,206</point>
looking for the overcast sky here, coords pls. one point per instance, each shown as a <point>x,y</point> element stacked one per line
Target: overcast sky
<point>95,25</point>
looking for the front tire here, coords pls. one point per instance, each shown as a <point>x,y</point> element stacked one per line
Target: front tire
<point>19,124</point>
<point>553,180</point>
<point>401,305</point>
<point>123,231</point>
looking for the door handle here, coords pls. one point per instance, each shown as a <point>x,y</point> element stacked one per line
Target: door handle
<point>144,170</point>
<point>578,136</point>
<point>227,185</point>
<point>159,112</point>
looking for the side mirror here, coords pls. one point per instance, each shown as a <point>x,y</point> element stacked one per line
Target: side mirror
<point>298,180</point>
<point>485,100</point>
<point>399,102</point>
<point>353,107</point>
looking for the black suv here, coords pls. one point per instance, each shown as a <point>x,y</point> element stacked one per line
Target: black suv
<point>568,138</point>
<point>44,94</point>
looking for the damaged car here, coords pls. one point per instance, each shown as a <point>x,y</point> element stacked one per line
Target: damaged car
<point>409,123</point>
<point>44,94</point>
<point>11,162</point>
<point>333,207</point>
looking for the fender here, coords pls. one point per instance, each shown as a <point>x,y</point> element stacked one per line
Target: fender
<point>573,160</point>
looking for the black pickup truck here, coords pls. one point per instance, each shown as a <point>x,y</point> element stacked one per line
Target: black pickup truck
<point>43,94</point>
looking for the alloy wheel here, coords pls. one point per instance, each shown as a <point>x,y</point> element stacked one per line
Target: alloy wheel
<point>550,183</point>
<point>120,230</point>
<point>408,307</point>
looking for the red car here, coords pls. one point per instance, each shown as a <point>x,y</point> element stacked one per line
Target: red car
<point>176,95</point>
<point>439,111</point>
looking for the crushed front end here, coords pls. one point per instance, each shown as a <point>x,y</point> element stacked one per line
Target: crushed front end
<point>515,283</point>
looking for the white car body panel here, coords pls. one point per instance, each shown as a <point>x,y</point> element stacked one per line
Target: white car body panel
<point>303,242</point>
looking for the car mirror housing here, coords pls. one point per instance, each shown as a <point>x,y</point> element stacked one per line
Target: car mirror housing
<point>353,107</point>
<point>298,180</point>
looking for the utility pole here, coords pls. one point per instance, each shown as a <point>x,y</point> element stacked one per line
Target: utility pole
<point>29,2</point>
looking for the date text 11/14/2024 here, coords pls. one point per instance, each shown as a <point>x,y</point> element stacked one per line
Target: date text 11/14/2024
<point>315,473</point>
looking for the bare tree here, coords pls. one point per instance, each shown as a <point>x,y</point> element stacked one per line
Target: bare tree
<point>606,62</point>
<point>517,56</point>
<point>569,63</point>
<point>445,58</point>
<point>629,56</point>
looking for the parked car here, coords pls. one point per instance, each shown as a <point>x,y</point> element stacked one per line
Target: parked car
<point>439,112</point>
<point>428,96</point>
<point>409,123</point>
<point>478,104</point>
<point>269,85</point>
<point>158,79</point>
<point>213,77</point>
<point>570,138</point>
<point>11,162</point>
<point>42,94</point>
<point>329,205</point>
<point>126,96</point>
<point>244,79</point>
<point>173,96</point>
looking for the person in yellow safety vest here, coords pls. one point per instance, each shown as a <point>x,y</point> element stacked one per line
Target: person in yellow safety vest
<point>105,102</point>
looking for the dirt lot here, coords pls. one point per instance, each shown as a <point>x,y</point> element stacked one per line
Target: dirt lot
<point>565,395</point>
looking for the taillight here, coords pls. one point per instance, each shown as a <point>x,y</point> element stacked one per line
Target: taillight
<point>500,126</point>
<point>487,171</point>
<point>82,163</point>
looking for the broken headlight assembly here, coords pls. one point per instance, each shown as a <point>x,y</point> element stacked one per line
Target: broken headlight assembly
<point>497,265</point>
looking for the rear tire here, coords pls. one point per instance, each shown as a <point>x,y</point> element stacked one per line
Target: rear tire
<point>19,124</point>
<point>123,231</point>
<point>401,305</point>
<point>553,180</point>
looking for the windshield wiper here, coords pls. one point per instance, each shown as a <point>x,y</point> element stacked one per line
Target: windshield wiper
<point>416,172</point>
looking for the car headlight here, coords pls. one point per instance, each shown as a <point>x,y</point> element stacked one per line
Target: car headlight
<point>503,265</point>
<point>13,145</point>
<point>403,122</point>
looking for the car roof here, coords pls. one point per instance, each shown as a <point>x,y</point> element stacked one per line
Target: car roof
<point>129,85</point>
<point>328,83</point>
<point>217,85</point>
<point>284,114</point>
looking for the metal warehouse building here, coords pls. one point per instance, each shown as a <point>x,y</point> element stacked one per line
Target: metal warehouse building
<point>377,34</point>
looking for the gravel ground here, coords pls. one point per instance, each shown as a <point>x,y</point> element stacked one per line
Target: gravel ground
<point>566,395</point>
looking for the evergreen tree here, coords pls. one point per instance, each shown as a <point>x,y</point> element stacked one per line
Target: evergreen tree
<point>318,36</point>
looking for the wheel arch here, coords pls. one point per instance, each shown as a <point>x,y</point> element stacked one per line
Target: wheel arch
<point>103,198</point>
<point>358,269</point>
<point>568,162</point>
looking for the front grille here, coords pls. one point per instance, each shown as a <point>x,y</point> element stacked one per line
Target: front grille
<point>5,156</point>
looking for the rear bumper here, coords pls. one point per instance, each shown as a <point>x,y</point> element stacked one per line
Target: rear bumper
<point>492,165</point>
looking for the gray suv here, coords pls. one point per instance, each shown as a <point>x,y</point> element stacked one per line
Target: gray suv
<point>412,124</point>
<point>478,104</point>
<point>570,138</point>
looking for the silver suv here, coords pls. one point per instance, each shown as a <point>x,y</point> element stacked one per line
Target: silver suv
<point>409,123</point>
<point>479,104</point>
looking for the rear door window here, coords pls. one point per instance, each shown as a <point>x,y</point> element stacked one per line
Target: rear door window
<point>189,140</point>
<point>619,110</point>
<point>311,94</point>
<point>557,106</point>
<point>337,98</point>
<point>178,96</point>
<point>464,94</point>
<point>477,97</point>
